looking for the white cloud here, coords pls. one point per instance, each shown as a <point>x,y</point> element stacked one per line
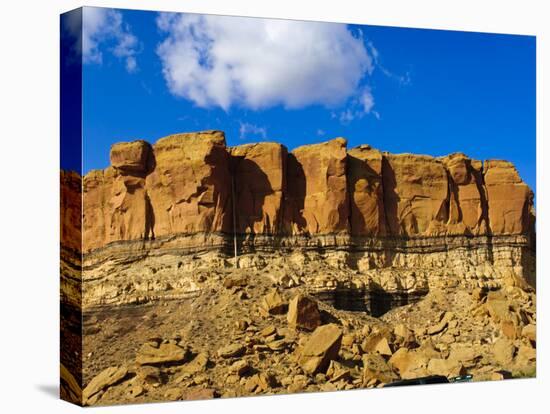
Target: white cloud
<point>259,63</point>
<point>320,132</point>
<point>131,64</point>
<point>250,131</point>
<point>359,107</point>
<point>367,100</point>
<point>106,26</point>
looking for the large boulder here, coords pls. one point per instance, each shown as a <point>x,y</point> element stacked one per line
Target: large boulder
<point>164,353</point>
<point>197,364</point>
<point>413,363</point>
<point>259,182</point>
<point>501,309</point>
<point>376,369</point>
<point>322,346</point>
<point>131,157</point>
<point>273,304</point>
<point>503,352</point>
<point>303,313</point>
<point>231,351</point>
<point>377,343</point>
<point>445,367</point>
<point>104,379</point>
<point>401,359</point>
<point>316,201</point>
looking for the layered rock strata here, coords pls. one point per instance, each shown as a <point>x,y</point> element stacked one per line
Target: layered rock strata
<point>71,238</point>
<point>179,204</point>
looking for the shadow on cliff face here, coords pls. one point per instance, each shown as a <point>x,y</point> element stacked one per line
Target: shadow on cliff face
<point>381,302</point>
<point>151,164</point>
<point>149,167</point>
<point>133,180</point>
<point>295,196</point>
<point>251,187</point>
<point>149,219</point>
<point>374,301</point>
<point>375,189</point>
<point>391,198</point>
<point>357,221</point>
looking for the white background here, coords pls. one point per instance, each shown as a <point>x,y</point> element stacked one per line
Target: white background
<point>29,124</point>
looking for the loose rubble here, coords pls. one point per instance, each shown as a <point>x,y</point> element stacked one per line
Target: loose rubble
<point>237,347</point>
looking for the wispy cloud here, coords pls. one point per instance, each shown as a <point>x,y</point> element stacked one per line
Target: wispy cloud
<point>347,116</point>
<point>146,88</point>
<point>106,27</point>
<point>252,132</point>
<point>259,63</point>
<point>366,100</point>
<point>359,107</point>
<point>363,103</point>
<point>402,79</point>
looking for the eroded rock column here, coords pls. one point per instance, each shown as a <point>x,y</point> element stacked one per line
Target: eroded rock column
<point>316,201</point>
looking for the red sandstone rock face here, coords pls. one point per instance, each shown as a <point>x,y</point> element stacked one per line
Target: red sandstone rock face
<point>190,186</point>
<point>415,195</point>
<point>317,197</point>
<point>468,198</point>
<point>182,185</point>
<point>186,190</point>
<point>71,209</point>
<point>96,192</point>
<point>259,181</point>
<point>116,208</point>
<point>131,157</point>
<point>116,205</point>
<point>128,208</point>
<point>368,216</point>
<point>509,199</point>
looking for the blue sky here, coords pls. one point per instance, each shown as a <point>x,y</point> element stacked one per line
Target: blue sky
<point>147,75</point>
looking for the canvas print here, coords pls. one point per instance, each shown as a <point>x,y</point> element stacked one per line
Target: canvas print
<point>255,206</point>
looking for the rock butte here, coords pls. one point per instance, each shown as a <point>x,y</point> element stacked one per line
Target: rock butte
<point>360,208</point>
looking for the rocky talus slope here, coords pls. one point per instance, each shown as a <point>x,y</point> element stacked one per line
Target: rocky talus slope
<point>249,336</point>
<point>353,268</point>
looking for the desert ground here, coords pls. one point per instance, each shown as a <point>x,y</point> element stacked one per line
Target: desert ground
<point>246,334</point>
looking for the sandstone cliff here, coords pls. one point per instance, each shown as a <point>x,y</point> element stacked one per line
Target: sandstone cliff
<point>182,185</point>
<point>411,220</point>
<point>71,210</point>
